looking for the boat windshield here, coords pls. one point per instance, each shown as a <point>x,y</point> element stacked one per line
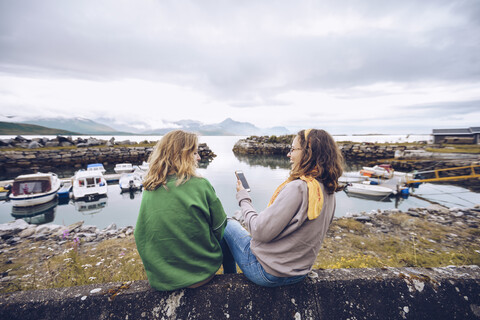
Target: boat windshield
<point>30,187</point>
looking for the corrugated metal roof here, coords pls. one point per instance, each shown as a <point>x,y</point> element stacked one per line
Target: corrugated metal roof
<point>475,129</point>
<point>459,131</point>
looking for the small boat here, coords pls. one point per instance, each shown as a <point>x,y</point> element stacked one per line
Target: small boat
<point>64,191</point>
<point>382,171</point>
<point>349,177</point>
<point>4,192</point>
<point>88,184</point>
<point>368,189</point>
<point>130,182</point>
<point>123,168</point>
<point>34,189</point>
<point>96,167</point>
<point>144,166</point>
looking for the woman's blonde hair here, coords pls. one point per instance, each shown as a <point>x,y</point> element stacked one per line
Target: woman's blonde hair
<point>321,159</point>
<point>173,154</point>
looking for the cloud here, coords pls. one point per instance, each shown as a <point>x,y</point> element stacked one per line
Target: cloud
<point>209,60</point>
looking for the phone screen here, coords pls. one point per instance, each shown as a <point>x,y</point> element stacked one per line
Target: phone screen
<point>241,177</point>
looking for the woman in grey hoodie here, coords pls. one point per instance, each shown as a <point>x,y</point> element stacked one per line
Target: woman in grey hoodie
<point>280,244</point>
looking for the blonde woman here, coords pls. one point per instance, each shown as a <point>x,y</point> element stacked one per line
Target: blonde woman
<point>181,220</point>
<point>282,242</point>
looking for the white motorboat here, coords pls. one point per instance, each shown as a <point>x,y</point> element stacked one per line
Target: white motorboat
<point>96,167</point>
<point>88,184</point>
<point>123,168</point>
<point>34,189</point>
<point>382,171</point>
<point>349,177</point>
<point>130,182</point>
<point>144,166</point>
<point>368,189</point>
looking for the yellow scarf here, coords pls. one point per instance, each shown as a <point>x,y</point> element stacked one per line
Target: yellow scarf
<point>315,196</point>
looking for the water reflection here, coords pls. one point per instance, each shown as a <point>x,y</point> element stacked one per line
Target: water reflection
<point>40,214</point>
<point>131,194</point>
<point>269,161</point>
<point>90,207</point>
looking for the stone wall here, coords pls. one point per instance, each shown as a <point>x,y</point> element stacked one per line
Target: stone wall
<point>389,293</point>
<point>44,160</point>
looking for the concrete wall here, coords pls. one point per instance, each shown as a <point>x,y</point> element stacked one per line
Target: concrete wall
<point>391,293</point>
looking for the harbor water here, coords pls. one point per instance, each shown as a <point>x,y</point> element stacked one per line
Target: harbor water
<point>264,174</point>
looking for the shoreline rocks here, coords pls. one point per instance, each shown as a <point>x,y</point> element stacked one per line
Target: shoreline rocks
<point>18,230</point>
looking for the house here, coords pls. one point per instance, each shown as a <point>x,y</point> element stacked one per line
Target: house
<point>457,136</point>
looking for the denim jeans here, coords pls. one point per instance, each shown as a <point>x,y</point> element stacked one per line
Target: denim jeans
<point>238,240</point>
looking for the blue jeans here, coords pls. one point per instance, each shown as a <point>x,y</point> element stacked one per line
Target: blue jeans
<point>238,240</point>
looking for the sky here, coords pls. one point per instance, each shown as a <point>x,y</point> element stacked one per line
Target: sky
<point>347,67</point>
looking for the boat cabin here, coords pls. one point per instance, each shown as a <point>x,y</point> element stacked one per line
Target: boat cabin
<point>31,186</point>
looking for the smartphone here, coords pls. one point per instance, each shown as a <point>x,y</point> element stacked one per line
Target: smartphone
<point>241,177</point>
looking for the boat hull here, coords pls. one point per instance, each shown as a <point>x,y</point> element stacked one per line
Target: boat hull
<point>32,200</point>
<point>370,190</point>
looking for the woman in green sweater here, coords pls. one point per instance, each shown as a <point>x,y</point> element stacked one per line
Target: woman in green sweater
<point>181,220</point>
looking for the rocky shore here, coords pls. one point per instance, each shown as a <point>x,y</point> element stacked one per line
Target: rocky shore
<point>424,237</point>
<point>44,155</point>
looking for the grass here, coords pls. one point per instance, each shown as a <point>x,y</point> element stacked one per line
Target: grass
<point>409,242</point>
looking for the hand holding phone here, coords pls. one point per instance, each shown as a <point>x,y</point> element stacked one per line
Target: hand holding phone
<point>243,180</point>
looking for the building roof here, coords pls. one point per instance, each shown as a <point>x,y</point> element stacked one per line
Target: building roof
<point>457,131</point>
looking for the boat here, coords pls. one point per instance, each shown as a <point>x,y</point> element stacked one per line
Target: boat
<point>96,167</point>
<point>144,166</point>
<point>349,177</point>
<point>4,192</point>
<point>34,189</point>
<point>88,184</point>
<point>130,182</point>
<point>382,171</point>
<point>123,168</point>
<point>64,191</point>
<point>368,189</point>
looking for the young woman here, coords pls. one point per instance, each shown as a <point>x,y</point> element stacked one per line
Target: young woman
<point>282,241</point>
<point>181,220</point>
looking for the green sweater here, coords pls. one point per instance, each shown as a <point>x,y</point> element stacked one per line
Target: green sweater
<point>178,233</point>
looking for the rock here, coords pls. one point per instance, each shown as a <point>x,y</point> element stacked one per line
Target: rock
<point>34,145</point>
<point>27,232</point>
<point>113,226</point>
<point>363,218</point>
<point>74,226</point>
<point>9,229</point>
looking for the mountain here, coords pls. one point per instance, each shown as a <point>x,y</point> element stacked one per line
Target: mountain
<point>227,127</point>
<point>10,128</point>
<point>80,125</point>
<point>109,126</point>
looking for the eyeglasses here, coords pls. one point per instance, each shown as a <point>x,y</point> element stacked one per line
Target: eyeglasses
<point>293,149</point>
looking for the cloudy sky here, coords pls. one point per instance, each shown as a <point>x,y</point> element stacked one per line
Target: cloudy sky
<point>347,66</point>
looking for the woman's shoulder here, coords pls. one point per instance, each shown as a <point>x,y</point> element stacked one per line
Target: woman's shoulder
<point>199,181</point>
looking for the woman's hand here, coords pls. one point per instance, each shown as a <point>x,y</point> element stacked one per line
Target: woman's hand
<point>240,185</point>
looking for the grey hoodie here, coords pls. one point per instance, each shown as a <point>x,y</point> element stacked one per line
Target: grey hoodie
<point>284,241</point>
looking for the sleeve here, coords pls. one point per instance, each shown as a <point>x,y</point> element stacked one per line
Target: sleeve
<point>280,217</point>
<point>217,213</point>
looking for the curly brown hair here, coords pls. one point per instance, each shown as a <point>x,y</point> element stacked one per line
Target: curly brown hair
<point>321,159</point>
